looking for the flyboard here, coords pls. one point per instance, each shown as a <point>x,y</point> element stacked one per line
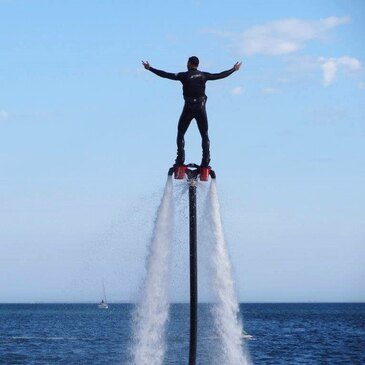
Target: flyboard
<point>192,172</point>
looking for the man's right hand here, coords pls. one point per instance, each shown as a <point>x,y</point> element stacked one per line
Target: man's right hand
<point>146,65</point>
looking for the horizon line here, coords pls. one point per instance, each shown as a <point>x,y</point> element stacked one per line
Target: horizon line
<point>177,302</point>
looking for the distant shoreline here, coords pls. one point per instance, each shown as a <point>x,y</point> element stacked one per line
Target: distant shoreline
<point>133,303</point>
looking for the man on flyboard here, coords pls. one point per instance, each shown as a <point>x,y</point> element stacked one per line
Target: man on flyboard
<point>193,82</point>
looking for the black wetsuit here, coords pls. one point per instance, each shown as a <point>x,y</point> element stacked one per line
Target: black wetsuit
<point>193,82</point>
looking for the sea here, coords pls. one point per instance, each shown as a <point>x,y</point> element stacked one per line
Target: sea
<point>310,333</point>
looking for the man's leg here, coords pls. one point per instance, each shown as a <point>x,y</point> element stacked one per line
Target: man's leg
<point>202,121</point>
<point>184,122</point>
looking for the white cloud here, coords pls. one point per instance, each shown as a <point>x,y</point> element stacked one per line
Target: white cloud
<point>33,116</point>
<point>4,115</point>
<point>237,90</point>
<point>269,91</point>
<point>331,66</point>
<point>283,80</point>
<point>308,68</point>
<point>327,114</point>
<point>283,36</point>
<point>352,64</point>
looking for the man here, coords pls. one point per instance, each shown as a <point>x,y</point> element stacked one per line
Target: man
<point>193,82</point>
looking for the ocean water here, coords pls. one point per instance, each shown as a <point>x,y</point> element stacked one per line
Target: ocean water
<point>83,334</point>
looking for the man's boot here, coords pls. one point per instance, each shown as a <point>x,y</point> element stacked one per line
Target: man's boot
<point>205,160</point>
<point>180,158</point>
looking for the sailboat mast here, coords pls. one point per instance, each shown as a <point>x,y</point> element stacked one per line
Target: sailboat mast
<point>104,292</point>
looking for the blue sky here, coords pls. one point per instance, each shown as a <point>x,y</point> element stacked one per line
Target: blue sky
<point>87,136</point>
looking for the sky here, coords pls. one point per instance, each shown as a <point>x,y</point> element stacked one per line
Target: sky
<point>87,136</point>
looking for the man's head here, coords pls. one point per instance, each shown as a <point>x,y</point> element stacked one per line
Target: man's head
<point>193,62</point>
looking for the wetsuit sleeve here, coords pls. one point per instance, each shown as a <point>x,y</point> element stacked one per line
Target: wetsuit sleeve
<point>166,75</point>
<point>220,75</point>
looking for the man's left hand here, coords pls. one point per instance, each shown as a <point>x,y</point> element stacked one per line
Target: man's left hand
<point>237,66</point>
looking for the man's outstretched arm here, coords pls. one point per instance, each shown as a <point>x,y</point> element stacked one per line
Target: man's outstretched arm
<point>166,75</point>
<point>223,74</point>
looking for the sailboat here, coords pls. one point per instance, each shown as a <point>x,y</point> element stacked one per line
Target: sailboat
<point>103,304</point>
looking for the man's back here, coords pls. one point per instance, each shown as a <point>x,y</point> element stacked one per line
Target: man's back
<point>193,83</point>
<point>193,80</point>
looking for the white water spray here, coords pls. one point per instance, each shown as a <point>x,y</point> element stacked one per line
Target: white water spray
<point>152,311</point>
<point>226,310</point>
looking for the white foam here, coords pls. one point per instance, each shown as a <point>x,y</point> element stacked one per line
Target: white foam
<point>152,310</point>
<point>226,309</point>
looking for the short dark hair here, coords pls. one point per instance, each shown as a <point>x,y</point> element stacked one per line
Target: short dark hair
<point>194,61</point>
